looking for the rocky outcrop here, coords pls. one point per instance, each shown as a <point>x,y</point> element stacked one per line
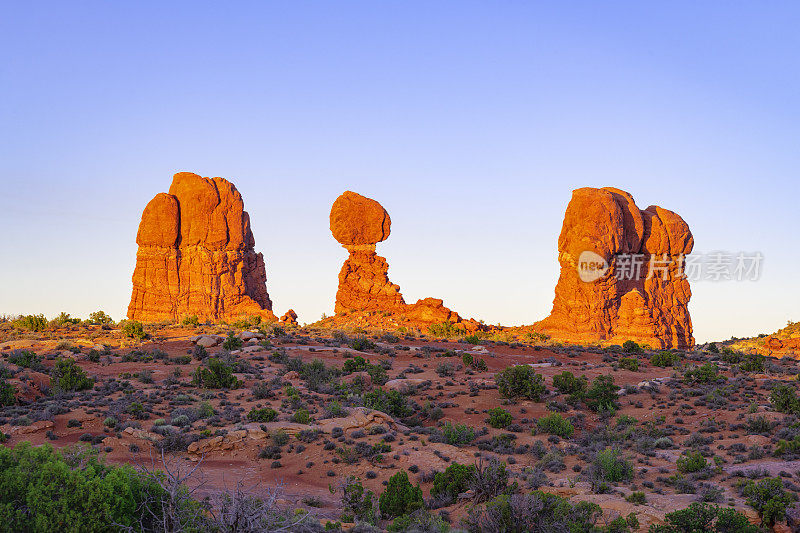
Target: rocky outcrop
<point>365,291</point>
<point>196,256</point>
<point>621,273</point>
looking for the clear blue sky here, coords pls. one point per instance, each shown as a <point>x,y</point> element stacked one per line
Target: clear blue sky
<point>470,121</point>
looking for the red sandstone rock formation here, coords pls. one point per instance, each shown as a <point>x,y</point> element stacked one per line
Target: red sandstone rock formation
<point>365,290</point>
<point>196,256</point>
<point>619,300</point>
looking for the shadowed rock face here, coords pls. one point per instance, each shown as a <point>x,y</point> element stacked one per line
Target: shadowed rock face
<point>196,255</point>
<point>621,304</point>
<point>359,223</point>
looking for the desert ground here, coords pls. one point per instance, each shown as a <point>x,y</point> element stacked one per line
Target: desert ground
<point>305,413</point>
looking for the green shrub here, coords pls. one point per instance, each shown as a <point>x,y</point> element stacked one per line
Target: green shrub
<point>445,329</point>
<point>134,330</point>
<point>636,498</point>
<point>453,481</point>
<point>537,511</point>
<point>362,344</point>
<point>753,363</point>
<point>555,424</point>
<point>691,462</point>
<point>457,434</point>
<point>262,415</point>
<point>784,399</point>
<point>232,342</point>
<point>472,339</point>
<point>391,402</point>
<point>567,383</point>
<point>301,416</point>
<point>480,365</point>
<point>400,496</point>
<point>215,375</point>
<point>520,381</point>
<point>664,359</point>
<point>357,503</point>
<point>602,394</point>
<point>31,322</point>
<point>629,363</point>
<point>190,320</point>
<point>63,319</point>
<point>707,373</point>
<point>7,393</point>
<point>26,359</point>
<point>356,364</point>
<point>45,490</point>
<point>67,376</point>
<point>768,498</point>
<point>609,465</point>
<point>100,317</point>
<point>631,347</point>
<point>713,348</point>
<point>499,418</point>
<point>467,359</point>
<point>704,518</point>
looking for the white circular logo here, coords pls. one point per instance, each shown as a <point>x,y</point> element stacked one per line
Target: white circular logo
<point>591,266</point>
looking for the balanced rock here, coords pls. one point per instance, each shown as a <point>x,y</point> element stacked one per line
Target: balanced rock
<point>196,256</point>
<point>621,273</point>
<point>359,223</point>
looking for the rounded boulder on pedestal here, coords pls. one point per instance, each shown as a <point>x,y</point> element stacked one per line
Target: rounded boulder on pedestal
<point>356,220</point>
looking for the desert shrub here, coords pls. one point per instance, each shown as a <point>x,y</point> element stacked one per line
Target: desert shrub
<point>232,342</point>
<point>215,375</point>
<point>691,462</point>
<point>567,383</point>
<point>467,359</point>
<point>453,481</point>
<point>629,363</point>
<point>472,339</point>
<point>609,465</point>
<point>356,364</point>
<point>457,434</point>
<point>362,344</point>
<point>537,511</point>
<point>64,319</point>
<point>301,416</point>
<point>602,394</point>
<point>499,418</point>
<point>391,402</point>
<point>520,381</point>
<point>70,490</point>
<point>480,365</point>
<point>357,503</point>
<point>707,373</point>
<point>134,330</point>
<point>712,347</point>
<point>664,358</point>
<point>26,359</point>
<point>637,498</point>
<point>490,481</point>
<point>444,370</point>
<point>100,317</point>
<point>555,424</point>
<point>420,520</point>
<point>7,393</point>
<point>784,399</point>
<point>400,496</point>
<point>190,320</point>
<point>701,517</point>
<point>445,329</point>
<point>31,322</point>
<point>768,498</point>
<point>788,446</point>
<point>631,347</point>
<point>67,376</point>
<point>262,415</point>
<point>753,363</point>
